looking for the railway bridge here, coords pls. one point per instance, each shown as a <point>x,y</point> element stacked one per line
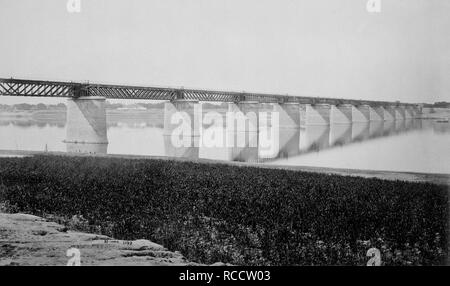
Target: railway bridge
<point>86,114</point>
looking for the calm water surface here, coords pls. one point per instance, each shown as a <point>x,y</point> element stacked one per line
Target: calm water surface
<point>413,145</point>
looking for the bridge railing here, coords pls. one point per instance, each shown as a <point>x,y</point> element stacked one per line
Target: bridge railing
<point>15,87</point>
<point>123,92</point>
<point>19,87</point>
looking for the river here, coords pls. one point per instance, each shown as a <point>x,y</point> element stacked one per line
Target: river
<point>417,145</point>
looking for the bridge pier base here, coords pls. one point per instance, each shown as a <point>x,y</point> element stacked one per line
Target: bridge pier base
<point>418,111</point>
<point>413,111</point>
<point>340,134</point>
<point>317,114</point>
<point>408,112</point>
<point>377,113</point>
<point>399,113</point>
<point>314,138</point>
<point>86,130</point>
<point>389,113</point>
<point>288,142</point>
<point>289,114</point>
<point>360,131</point>
<point>341,114</point>
<point>242,123</point>
<point>182,125</point>
<point>243,116</point>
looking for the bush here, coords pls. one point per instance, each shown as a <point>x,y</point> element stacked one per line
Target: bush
<point>237,215</point>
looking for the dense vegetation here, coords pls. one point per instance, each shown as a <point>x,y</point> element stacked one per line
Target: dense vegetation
<point>239,215</point>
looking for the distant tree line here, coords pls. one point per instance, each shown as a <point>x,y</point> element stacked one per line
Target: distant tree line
<point>442,104</point>
<point>438,104</point>
<point>108,105</point>
<point>26,106</point>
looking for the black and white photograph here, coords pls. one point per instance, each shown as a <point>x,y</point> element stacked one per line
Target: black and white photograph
<point>250,134</point>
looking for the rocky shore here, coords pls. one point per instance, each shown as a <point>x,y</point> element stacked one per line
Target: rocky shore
<point>29,240</point>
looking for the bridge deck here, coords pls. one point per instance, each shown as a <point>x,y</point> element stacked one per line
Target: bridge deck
<point>21,87</point>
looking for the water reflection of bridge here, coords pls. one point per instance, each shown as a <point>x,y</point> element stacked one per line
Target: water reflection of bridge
<point>291,142</point>
<point>295,142</point>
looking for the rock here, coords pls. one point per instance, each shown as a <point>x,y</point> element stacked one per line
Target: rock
<point>218,264</point>
<point>39,232</point>
<point>221,264</point>
<point>31,240</point>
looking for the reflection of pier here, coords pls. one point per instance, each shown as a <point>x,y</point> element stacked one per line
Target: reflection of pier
<point>340,134</point>
<point>375,129</point>
<point>314,138</point>
<point>283,137</point>
<point>360,131</point>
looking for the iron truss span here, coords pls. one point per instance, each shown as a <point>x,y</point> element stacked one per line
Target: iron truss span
<point>21,87</point>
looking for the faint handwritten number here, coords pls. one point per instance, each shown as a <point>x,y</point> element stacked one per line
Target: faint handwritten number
<point>375,257</point>
<point>74,254</point>
<point>74,6</point>
<point>373,6</point>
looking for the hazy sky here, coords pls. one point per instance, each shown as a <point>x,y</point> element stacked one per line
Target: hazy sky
<point>317,47</point>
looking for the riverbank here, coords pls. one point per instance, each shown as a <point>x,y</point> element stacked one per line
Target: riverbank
<point>242,215</point>
<point>441,179</point>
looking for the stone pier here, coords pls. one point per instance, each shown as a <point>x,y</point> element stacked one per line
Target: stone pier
<point>86,130</point>
<point>418,111</point>
<point>408,112</point>
<point>243,116</point>
<point>341,114</point>
<point>376,113</point>
<point>317,114</point>
<point>288,143</point>
<point>399,113</point>
<point>340,134</point>
<point>289,114</point>
<point>361,113</point>
<point>182,127</point>
<point>242,125</point>
<point>389,113</point>
<point>413,111</point>
<point>314,138</point>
